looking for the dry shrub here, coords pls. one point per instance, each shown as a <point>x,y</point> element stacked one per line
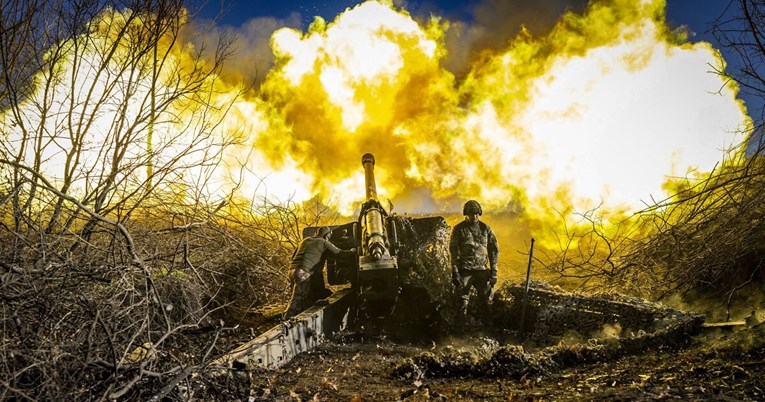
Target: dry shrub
<point>706,239</point>
<point>709,237</point>
<point>92,320</point>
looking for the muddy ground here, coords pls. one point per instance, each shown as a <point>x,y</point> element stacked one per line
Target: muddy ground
<point>365,365</point>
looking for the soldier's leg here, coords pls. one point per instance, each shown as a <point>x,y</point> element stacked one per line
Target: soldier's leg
<point>482,287</point>
<point>318,288</point>
<point>464,292</point>
<point>317,285</point>
<point>300,295</point>
<point>313,293</point>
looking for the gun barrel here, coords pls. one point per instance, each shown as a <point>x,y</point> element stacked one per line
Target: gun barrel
<point>368,161</point>
<point>378,268</point>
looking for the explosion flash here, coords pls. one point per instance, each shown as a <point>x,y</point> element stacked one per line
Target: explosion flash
<point>603,110</point>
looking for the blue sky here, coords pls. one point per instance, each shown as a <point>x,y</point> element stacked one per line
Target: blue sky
<point>697,14</point>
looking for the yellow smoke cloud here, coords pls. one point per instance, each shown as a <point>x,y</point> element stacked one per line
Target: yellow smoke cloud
<point>603,109</point>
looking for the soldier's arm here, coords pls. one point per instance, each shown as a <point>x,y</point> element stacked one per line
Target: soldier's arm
<point>454,246</point>
<point>453,253</point>
<point>335,250</point>
<point>493,249</point>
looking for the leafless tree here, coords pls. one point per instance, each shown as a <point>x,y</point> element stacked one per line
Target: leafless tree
<point>107,124</point>
<point>740,32</point>
<point>587,253</point>
<point>706,239</point>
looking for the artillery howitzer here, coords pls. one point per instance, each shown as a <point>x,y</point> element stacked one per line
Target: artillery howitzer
<point>406,260</point>
<point>399,257</point>
<point>374,271</point>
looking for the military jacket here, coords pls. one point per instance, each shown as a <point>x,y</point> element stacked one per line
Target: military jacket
<point>310,253</point>
<point>473,246</point>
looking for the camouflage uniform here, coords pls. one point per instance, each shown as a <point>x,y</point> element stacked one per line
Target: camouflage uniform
<point>309,257</point>
<point>474,253</point>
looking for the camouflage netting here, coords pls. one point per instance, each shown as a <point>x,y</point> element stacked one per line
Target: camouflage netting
<point>552,313</point>
<point>423,258</point>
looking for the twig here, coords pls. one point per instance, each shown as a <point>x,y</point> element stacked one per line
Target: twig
<point>16,391</point>
<point>167,388</point>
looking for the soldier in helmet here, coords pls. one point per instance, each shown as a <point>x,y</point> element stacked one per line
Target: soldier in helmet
<point>474,254</point>
<point>306,270</point>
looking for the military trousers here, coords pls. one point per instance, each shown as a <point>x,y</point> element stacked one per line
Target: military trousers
<point>474,279</point>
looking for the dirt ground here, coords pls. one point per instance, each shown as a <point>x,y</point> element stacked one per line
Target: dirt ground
<point>719,365</point>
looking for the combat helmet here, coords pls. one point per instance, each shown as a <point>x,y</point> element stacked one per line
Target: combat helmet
<point>324,230</point>
<point>473,207</point>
